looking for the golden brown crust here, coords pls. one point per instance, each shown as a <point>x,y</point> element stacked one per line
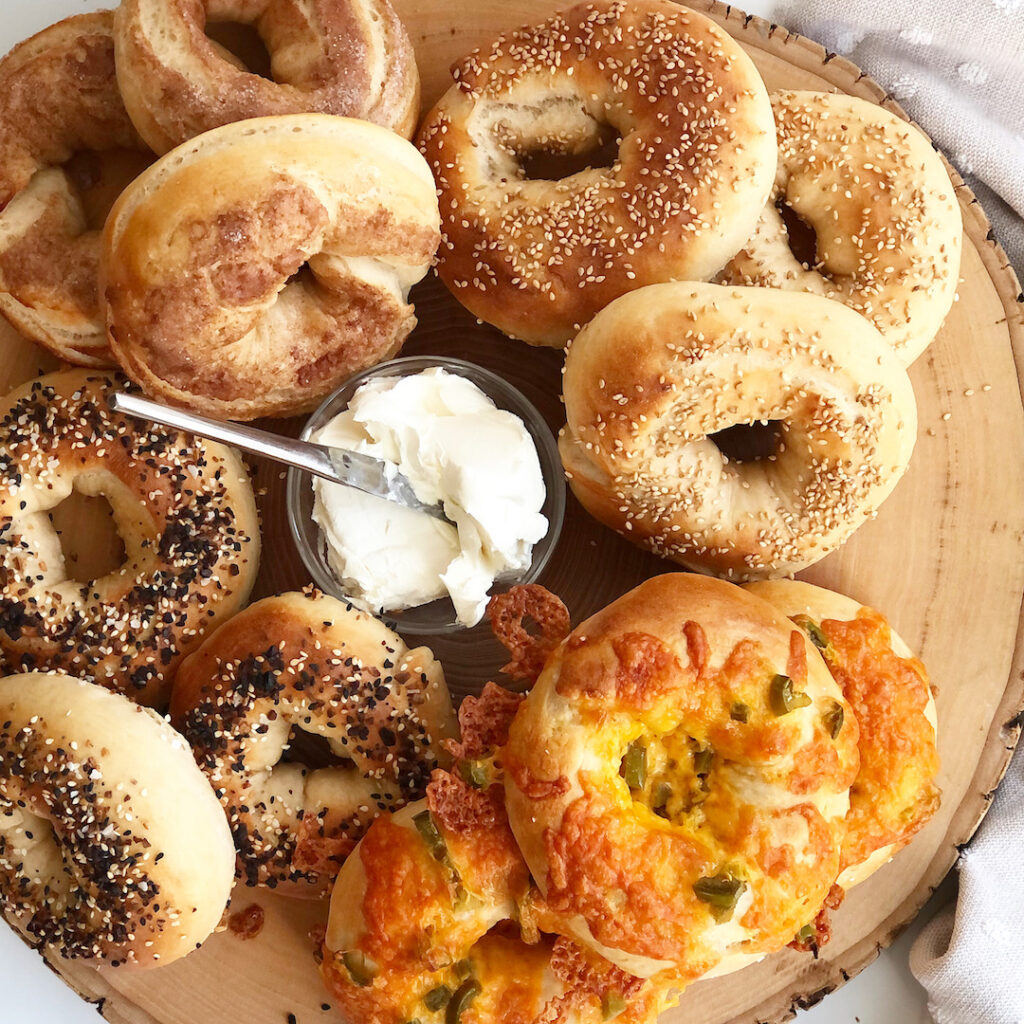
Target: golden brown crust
<point>350,58</point>
<point>307,662</point>
<point>186,515</point>
<point>887,223</point>
<point>112,845</point>
<point>894,795</point>
<point>418,920</point>
<point>659,372</point>
<point>297,265</point>
<point>438,894</point>
<point>731,784</point>
<point>539,258</point>
<point>58,98</point>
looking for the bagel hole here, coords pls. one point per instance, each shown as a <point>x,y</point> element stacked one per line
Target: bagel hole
<point>29,828</point>
<point>801,237</point>
<point>244,42</point>
<point>89,539</point>
<point>30,816</point>
<point>304,275</point>
<point>311,750</point>
<point>750,442</point>
<point>98,177</point>
<point>550,165</point>
<point>670,774</point>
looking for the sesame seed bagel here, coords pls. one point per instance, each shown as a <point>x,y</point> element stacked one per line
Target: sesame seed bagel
<point>58,100</point>
<point>112,845</point>
<point>673,782</point>
<point>538,258</point>
<point>288,243</point>
<point>184,509</point>
<point>306,663</point>
<point>894,794</point>
<point>351,58</point>
<point>655,378</point>
<point>435,912</point>
<point>882,207</point>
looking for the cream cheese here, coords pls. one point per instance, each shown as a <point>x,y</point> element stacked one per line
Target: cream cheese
<point>455,446</point>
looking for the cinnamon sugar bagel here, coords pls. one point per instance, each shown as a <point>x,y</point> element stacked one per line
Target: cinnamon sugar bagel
<point>435,912</point>
<point>184,509</point>
<point>112,846</point>
<point>252,270</point>
<point>352,58</point>
<point>59,108</point>
<point>656,378</point>
<point>883,210</point>
<point>306,663</point>
<point>675,782</point>
<point>894,794</point>
<point>538,258</point>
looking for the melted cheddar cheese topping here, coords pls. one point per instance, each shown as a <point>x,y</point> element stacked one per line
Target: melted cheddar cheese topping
<point>894,793</point>
<point>691,778</point>
<point>448,928</point>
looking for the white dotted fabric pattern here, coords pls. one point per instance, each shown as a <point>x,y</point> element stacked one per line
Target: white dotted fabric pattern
<point>957,68</point>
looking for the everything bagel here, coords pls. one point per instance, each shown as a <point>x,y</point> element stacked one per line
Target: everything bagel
<point>113,847</point>
<point>184,509</point>
<point>309,663</point>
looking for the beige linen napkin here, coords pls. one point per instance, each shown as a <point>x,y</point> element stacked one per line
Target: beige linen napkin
<point>958,69</point>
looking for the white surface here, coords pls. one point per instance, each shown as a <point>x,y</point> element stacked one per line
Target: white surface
<point>884,993</point>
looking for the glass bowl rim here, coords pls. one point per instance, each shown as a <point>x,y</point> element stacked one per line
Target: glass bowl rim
<point>506,396</point>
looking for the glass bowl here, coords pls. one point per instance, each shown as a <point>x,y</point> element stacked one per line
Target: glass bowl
<point>438,616</point>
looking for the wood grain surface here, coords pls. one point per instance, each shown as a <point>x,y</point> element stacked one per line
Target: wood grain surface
<point>942,559</point>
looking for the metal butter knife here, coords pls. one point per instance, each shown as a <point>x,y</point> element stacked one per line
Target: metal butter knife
<point>351,469</point>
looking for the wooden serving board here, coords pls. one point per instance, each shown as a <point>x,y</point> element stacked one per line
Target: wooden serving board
<point>942,559</point>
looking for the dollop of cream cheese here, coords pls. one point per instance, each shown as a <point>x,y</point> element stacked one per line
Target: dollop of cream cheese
<point>456,447</point>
